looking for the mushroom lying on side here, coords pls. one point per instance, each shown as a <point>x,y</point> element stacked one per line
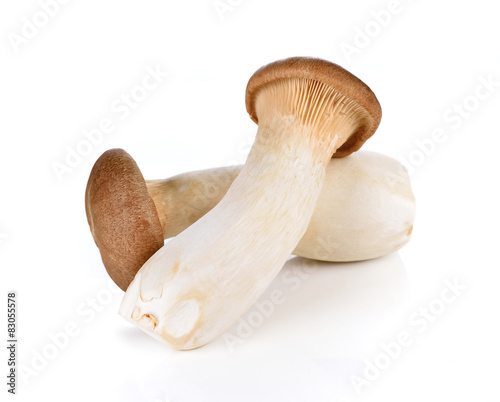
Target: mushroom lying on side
<point>202,281</point>
<point>365,209</point>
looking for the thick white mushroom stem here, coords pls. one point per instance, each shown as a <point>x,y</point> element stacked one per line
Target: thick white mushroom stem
<point>202,281</point>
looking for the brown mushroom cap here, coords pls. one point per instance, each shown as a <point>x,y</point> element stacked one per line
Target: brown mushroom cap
<point>122,216</point>
<point>329,74</point>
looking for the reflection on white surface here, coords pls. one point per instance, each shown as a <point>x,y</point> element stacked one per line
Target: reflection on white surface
<point>304,347</point>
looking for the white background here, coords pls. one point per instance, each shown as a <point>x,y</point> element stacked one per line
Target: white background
<point>430,57</point>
